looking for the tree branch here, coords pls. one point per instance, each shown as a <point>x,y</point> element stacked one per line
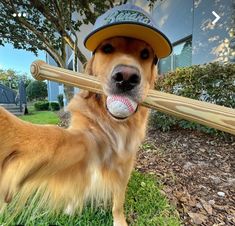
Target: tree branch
<point>40,7</point>
<point>47,13</point>
<point>57,8</point>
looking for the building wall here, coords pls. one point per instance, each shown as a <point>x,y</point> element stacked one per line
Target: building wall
<point>52,87</point>
<point>53,91</point>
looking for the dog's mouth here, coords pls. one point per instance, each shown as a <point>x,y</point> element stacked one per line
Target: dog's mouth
<point>121,107</point>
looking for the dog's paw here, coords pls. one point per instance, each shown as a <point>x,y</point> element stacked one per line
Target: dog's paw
<point>69,210</point>
<point>120,223</point>
<point>119,220</point>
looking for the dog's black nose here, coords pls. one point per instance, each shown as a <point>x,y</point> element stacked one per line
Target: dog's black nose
<point>126,77</point>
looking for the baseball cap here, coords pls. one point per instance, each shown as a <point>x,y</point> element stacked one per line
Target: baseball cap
<point>128,20</point>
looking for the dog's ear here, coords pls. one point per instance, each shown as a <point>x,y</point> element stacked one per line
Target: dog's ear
<point>88,70</point>
<point>88,66</point>
<point>154,76</point>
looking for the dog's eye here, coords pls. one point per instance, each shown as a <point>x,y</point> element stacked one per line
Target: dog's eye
<point>144,54</point>
<point>108,48</point>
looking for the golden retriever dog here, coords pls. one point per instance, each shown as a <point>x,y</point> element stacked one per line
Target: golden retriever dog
<point>92,160</point>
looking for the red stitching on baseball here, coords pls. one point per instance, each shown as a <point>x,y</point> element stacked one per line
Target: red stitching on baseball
<point>122,99</point>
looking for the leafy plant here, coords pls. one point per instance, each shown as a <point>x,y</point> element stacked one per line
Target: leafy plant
<point>163,121</point>
<point>54,106</point>
<point>41,106</point>
<point>11,78</point>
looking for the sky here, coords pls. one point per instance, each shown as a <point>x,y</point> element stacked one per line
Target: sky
<point>19,60</point>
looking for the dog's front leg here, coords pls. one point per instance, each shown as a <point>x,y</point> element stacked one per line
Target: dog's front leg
<point>118,208</point>
<point>29,152</point>
<point>119,218</point>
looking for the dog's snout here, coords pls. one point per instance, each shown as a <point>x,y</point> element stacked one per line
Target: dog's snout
<point>126,77</point>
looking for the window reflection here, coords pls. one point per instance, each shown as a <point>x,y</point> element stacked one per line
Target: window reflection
<point>181,57</point>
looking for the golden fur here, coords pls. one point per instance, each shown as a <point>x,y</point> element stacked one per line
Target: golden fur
<point>91,160</point>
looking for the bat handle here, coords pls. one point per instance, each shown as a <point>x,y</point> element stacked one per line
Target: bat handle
<point>35,69</point>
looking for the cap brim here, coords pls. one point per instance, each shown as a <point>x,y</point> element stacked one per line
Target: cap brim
<point>156,39</point>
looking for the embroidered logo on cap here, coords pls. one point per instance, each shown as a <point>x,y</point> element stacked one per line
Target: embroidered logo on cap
<point>127,15</point>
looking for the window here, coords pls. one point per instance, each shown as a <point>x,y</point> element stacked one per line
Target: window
<point>70,65</point>
<point>181,57</point>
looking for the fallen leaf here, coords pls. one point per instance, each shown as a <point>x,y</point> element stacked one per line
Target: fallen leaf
<point>221,207</point>
<point>206,206</point>
<point>197,218</point>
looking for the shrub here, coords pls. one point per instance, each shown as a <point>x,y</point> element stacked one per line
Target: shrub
<point>60,99</point>
<point>162,121</point>
<point>41,106</point>
<point>214,83</point>
<point>54,106</point>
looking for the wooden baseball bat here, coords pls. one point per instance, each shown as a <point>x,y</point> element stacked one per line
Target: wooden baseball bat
<point>215,116</point>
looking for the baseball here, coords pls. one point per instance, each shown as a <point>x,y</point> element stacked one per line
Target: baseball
<point>121,106</point>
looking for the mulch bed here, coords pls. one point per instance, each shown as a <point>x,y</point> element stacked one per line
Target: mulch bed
<point>197,171</point>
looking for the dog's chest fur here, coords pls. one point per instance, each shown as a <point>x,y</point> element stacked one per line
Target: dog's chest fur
<point>115,148</point>
<point>112,146</point>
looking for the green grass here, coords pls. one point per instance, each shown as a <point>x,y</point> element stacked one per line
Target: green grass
<point>41,117</point>
<point>144,205</point>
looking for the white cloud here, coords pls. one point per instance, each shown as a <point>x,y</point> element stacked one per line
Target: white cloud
<point>163,20</point>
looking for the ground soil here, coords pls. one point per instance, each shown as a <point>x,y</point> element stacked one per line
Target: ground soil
<point>197,171</point>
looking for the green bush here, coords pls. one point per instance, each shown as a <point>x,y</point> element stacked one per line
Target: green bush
<point>54,106</point>
<point>214,83</point>
<point>41,106</point>
<point>60,99</point>
<point>162,121</point>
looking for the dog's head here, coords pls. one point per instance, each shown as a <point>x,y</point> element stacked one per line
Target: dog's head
<point>125,66</point>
